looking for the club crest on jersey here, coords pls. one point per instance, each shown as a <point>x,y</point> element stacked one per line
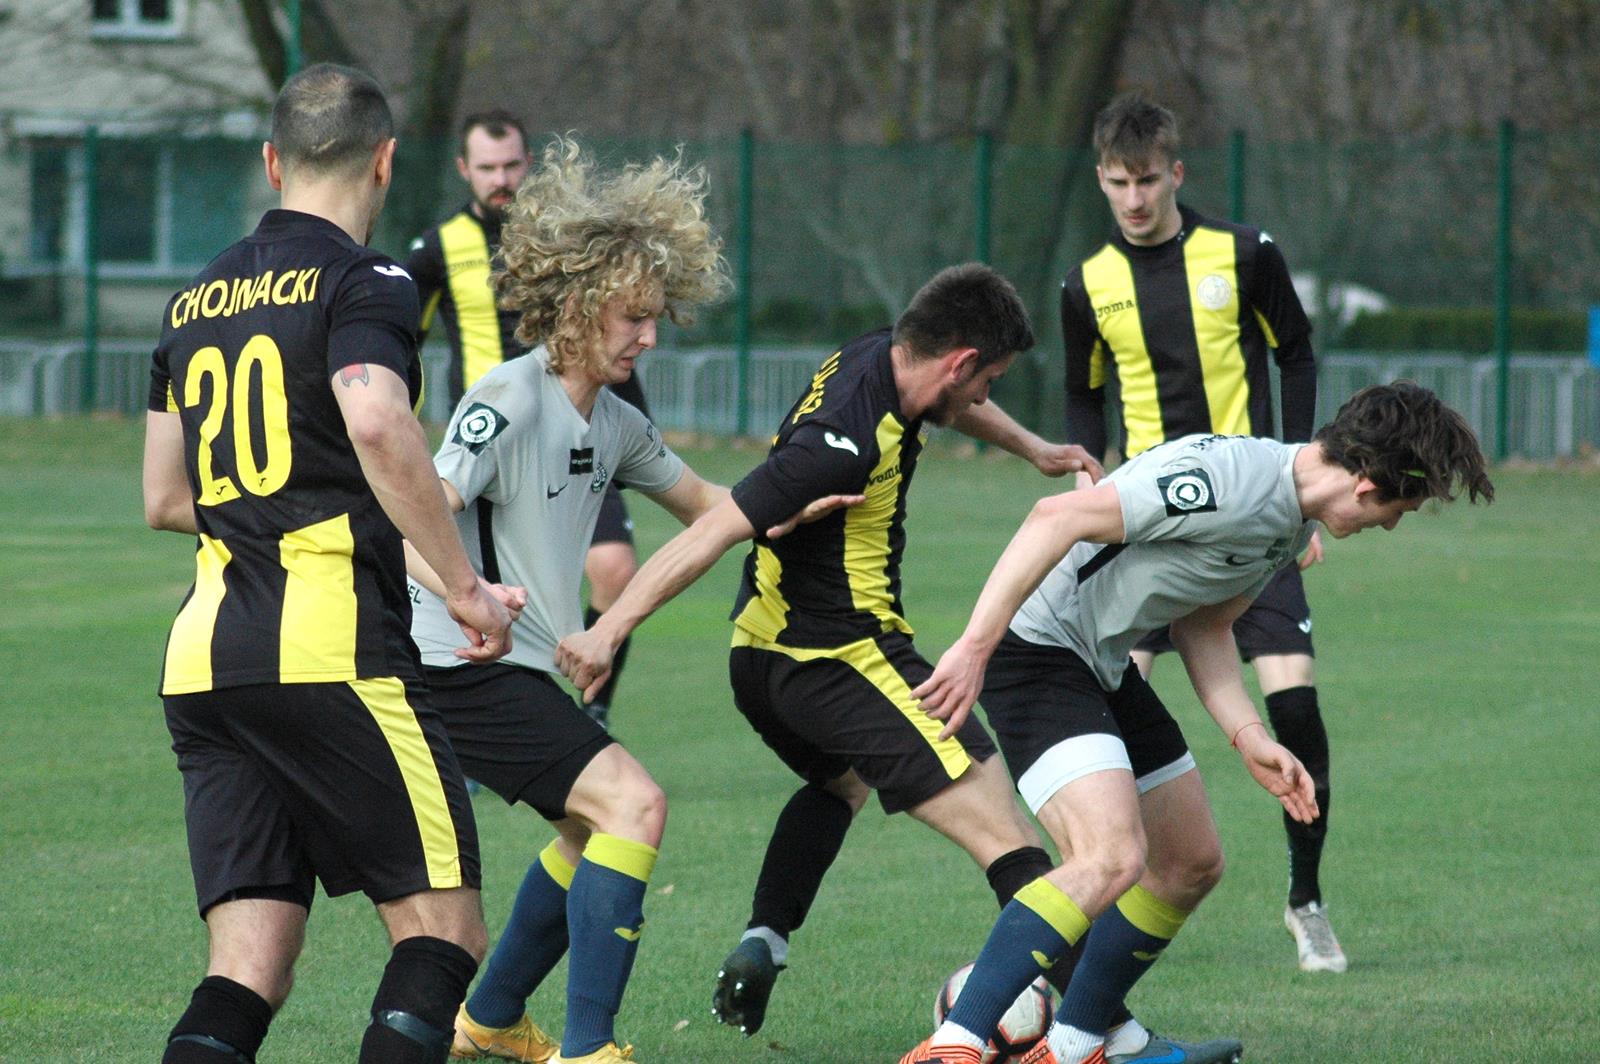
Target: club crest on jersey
<point>1214,291</point>
<point>1188,492</point>
<point>601,475</point>
<point>478,426</point>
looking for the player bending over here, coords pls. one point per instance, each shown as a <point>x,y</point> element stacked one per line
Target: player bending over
<point>1185,534</point>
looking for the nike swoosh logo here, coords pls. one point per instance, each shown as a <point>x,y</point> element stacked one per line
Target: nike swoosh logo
<point>551,493</point>
<point>1177,1056</point>
<point>1140,954</point>
<point>844,443</point>
<point>1234,559</point>
<point>628,934</point>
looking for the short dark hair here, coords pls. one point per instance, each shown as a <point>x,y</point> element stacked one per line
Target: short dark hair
<point>1405,440</point>
<point>1134,130</point>
<point>330,118</point>
<point>498,123</point>
<point>970,305</point>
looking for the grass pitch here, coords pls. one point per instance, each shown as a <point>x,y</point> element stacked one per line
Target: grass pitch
<point>1456,664</point>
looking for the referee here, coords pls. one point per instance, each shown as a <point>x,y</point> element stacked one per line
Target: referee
<point>1185,311</point>
<point>281,436</point>
<point>451,264</point>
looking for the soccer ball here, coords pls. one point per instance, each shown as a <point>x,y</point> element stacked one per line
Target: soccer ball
<point>1024,1023</point>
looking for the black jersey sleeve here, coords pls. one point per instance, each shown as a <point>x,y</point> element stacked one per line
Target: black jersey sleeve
<point>425,264</point>
<point>1085,390</point>
<point>816,460</point>
<point>161,399</point>
<point>373,318</point>
<point>1273,296</point>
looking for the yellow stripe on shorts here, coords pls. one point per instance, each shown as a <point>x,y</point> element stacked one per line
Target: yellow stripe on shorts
<point>385,699</point>
<point>867,658</point>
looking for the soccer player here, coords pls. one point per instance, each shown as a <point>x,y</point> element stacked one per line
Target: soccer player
<point>281,434</point>
<point>822,663</point>
<point>591,261</point>
<point>1187,308</point>
<point>1186,535</point>
<point>452,263</point>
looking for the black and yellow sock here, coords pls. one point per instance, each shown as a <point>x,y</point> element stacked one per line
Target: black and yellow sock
<point>605,917</point>
<point>1121,946</point>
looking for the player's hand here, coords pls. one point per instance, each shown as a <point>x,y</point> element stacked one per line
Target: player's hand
<point>585,659</point>
<point>949,693</point>
<point>484,621</point>
<point>1059,459</point>
<point>1279,771</point>
<point>813,511</point>
<point>1313,553</point>
<point>512,597</point>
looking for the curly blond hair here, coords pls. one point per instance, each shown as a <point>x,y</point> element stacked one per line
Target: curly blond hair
<point>574,240</point>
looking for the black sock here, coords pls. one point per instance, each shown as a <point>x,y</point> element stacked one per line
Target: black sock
<point>805,841</point>
<point>1297,722</point>
<point>1010,872</point>
<point>590,615</point>
<point>225,1021</point>
<point>413,1012</point>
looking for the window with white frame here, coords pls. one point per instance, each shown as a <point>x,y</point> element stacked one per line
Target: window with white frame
<point>163,205</point>
<point>149,19</point>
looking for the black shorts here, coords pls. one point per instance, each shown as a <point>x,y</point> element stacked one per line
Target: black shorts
<point>517,732</point>
<point>614,525</point>
<point>353,783</point>
<point>1056,723</point>
<point>826,711</point>
<point>1277,622</point>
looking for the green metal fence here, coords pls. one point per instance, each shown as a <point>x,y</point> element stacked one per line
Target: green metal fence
<point>826,240</point>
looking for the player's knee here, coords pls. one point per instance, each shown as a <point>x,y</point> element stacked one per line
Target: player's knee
<point>1202,870</point>
<point>1115,862</point>
<point>636,809</point>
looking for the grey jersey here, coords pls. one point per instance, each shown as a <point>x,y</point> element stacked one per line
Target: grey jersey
<point>533,473</point>
<point>1205,518</point>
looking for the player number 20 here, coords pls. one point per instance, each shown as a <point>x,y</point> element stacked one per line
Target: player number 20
<point>256,477</point>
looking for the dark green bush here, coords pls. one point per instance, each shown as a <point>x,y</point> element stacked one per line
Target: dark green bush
<point>1469,329</point>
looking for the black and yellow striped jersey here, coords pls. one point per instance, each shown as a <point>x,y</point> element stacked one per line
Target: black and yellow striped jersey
<point>451,264</point>
<point>299,573</point>
<point>836,580</point>
<point>1186,326</point>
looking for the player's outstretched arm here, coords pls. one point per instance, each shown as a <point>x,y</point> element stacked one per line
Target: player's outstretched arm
<point>1052,528</point>
<point>691,497</point>
<point>168,500</point>
<point>987,422</point>
<point>585,657</point>
<point>394,457</point>
<point>1204,640</point>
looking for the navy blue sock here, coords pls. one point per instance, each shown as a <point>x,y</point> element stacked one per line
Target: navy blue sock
<point>534,939</point>
<point>1121,946</point>
<point>1034,929</point>
<point>605,916</point>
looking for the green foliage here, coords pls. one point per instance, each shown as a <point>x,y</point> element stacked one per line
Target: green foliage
<point>1452,661</point>
<point>1468,329</point>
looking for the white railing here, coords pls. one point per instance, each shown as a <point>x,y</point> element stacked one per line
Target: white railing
<point>1553,401</point>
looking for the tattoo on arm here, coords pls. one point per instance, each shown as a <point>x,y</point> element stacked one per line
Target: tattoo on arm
<point>350,375</point>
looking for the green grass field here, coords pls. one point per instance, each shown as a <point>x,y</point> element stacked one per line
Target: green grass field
<point>1457,663</point>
